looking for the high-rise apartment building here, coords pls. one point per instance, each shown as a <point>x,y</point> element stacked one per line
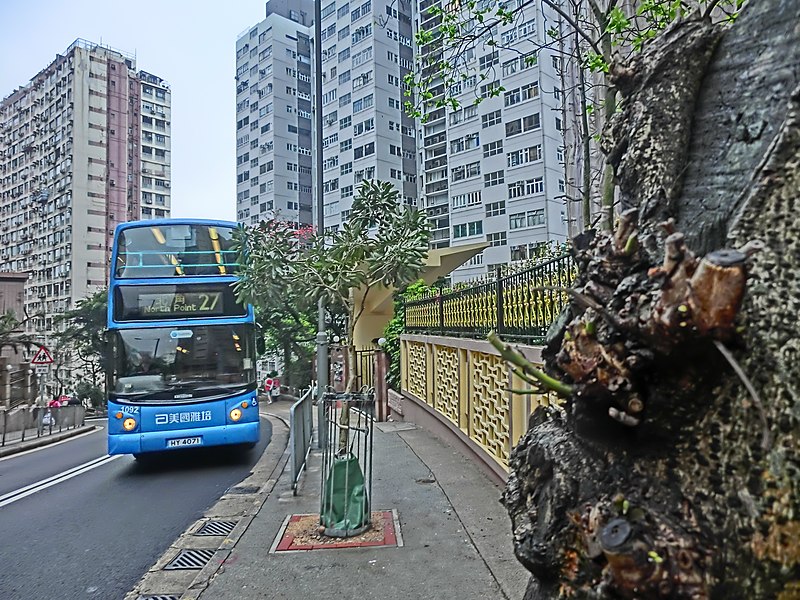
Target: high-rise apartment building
<point>84,145</point>
<point>495,171</point>
<point>274,116</point>
<point>367,49</point>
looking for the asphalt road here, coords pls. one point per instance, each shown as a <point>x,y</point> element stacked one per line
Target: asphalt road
<point>94,535</point>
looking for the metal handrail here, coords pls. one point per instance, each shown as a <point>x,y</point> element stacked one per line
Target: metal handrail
<point>301,428</point>
<point>27,422</point>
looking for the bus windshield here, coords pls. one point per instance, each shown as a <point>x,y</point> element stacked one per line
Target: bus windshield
<point>175,251</point>
<point>182,363</point>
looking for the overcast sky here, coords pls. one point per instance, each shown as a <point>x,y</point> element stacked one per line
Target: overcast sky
<point>189,43</point>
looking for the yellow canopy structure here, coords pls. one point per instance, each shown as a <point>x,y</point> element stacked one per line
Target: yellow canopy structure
<point>378,311</point>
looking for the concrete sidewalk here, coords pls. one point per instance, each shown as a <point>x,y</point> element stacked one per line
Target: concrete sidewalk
<point>456,535</point>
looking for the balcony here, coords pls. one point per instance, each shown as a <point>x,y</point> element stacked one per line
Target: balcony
<point>439,138</point>
<point>436,163</point>
<point>435,115</point>
<point>439,186</point>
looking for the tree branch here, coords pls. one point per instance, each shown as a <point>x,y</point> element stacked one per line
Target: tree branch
<point>513,357</point>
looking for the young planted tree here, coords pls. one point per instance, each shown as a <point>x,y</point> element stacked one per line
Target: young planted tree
<point>383,243</point>
<point>672,467</point>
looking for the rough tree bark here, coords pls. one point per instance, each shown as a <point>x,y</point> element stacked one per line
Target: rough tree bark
<point>692,490</point>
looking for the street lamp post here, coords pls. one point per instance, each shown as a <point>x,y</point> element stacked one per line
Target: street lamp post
<point>322,335</point>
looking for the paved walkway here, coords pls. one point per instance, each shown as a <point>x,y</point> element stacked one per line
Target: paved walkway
<point>456,535</point>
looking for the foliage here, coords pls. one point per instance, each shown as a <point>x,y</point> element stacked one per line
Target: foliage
<point>88,391</point>
<point>284,314</point>
<point>395,328</point>
<point>464,27</point>
<point>12,332</point>
<point>81,334</point>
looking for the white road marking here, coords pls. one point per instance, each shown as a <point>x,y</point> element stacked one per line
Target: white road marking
<point>28,490</point>
<point>64,441</point>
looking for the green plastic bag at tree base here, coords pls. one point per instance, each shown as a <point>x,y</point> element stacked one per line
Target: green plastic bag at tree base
<point>345,505</point>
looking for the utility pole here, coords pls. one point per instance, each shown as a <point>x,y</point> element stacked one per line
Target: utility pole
<point>322,335</point>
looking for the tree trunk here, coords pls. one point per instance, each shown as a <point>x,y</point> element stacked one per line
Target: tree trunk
<point>287,357</point>
<point>352,372</point>
<point>695,491</point>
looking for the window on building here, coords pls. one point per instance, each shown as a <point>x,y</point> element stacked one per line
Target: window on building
<point>464,200</point>
<point>362,104</point>
<point>490,89</point>
<point>510,67</point>
<point>495,209</point>
<point>492,118</point>
<point>468,229</point>
<point>534,186</point>
<point>365,150</point>
<point>512,97</point>
<point>531,218</point>
<point>492,148</point>
<point>484,62</point>
<point>530,91</point>
<point>497,239</point>
<point>494,178</point>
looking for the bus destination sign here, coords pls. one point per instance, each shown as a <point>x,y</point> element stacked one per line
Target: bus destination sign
<point>164,302</point>
<point>183,304</point>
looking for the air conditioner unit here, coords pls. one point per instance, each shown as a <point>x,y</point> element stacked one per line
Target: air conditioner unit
<point>166,184</point>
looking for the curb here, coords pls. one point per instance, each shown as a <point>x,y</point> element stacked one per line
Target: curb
<point>17,447</point>
<point>231,506</point>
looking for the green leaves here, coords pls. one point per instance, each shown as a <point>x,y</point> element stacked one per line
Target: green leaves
<point>80,331</point>
<point>617,21</point>
<point>383,243</point>
<point>595,63</point>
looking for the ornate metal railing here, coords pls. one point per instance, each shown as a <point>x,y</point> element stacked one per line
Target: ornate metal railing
<point>519,306</point>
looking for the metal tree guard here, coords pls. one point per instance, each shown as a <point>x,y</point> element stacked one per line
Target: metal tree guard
<point>347,463</point>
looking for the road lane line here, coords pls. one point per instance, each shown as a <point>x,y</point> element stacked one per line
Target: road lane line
<point>28,490</point>
<point>52,477</point>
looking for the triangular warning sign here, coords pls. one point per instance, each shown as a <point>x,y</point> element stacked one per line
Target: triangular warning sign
<point>42,357</point>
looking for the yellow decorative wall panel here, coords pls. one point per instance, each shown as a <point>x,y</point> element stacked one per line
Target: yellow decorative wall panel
<point>446,382</point>
<point>489,414</point>
<point>467,383</point>
<point>416,377</point>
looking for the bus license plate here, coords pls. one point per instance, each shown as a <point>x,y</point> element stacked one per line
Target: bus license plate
<point>191,441</point>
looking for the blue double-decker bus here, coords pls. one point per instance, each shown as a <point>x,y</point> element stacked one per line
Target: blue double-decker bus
<point>182,363</point>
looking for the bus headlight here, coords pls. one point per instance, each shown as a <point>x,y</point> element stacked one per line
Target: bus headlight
<point>236,414</point>
<point>129,424</point>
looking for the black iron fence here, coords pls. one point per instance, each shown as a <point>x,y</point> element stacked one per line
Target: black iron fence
<point>519,306</point>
